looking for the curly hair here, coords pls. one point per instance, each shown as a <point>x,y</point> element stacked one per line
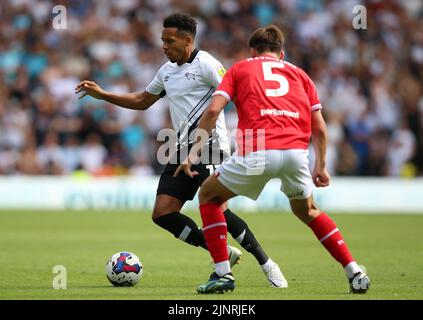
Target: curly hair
<point>181,21</point>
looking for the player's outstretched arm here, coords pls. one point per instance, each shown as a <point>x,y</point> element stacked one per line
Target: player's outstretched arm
<point>321,177</point>
<point>135,101</point>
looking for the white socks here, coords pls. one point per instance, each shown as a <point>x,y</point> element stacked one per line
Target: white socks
<point>222,268</point>
<point>267,265</point>
<point>351,269</point>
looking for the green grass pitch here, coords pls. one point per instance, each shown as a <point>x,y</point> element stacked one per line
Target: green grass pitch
<point>33,242</point>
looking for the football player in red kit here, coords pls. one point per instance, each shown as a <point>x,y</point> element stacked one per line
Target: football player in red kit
<point>279,111</point>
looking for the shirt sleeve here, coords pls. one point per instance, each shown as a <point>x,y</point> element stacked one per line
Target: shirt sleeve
<point>227,86</point>
<point>156,86</point>
<point>213,72</point>
<point>311,91</point>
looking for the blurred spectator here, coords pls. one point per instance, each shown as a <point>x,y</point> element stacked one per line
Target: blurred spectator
<point>27,163</point>
<point>370,81</point>
<point>50,155</point>
<point>141,167</point>
<point>93,153</point>
<point>401,149</point>
<point>72,154</point>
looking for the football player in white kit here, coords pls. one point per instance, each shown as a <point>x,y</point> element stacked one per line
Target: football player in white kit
<point>188,81</point>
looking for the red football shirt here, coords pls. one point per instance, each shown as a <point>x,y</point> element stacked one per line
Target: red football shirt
<point>273,95</point>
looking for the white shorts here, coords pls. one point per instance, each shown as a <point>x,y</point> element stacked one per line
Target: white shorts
<point>248,175</point>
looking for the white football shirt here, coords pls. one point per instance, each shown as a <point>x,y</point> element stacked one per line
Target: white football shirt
<point>189,89</point>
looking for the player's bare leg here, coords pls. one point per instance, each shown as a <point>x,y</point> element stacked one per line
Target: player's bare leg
<point>213,191</point>
<point>330,237</point>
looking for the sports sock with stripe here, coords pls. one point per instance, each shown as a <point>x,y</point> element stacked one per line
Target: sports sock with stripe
<point>215,233</point>
<point>329,236</point>
<point>182,227</point>
<point>240,231</point>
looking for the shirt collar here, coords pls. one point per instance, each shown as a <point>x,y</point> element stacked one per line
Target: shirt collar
<point>193,55</point>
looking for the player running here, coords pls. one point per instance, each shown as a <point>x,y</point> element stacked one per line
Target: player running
<point>188,81</point>
<point>279,97</point>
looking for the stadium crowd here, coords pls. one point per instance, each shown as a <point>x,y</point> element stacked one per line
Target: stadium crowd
<point>370,81</point>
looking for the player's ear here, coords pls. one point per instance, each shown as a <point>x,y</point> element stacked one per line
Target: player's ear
<point>253,52</point>
<point>189,40</point>
<point>282,55</point>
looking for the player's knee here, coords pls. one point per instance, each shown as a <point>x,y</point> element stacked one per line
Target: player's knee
<point>157,213</point>
<point>313,212</point>
<point>162,208</point>
<point>305,210</point>
<point>166,204</point>
<point>204,196</point>
<point>209,197</point>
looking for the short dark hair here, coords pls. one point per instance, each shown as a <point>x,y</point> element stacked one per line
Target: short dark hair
<point>181,21</point>
<point>269,38</point>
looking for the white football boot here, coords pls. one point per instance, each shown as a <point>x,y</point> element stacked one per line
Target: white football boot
<point>274,274</point>
<point>234,255</point>
<point>360,282</point>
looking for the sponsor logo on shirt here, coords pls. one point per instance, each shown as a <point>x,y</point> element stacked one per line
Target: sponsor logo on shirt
<point>276,112</point>
<point>221,71</point>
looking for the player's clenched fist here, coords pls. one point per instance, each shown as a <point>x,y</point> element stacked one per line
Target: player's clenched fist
<point>89,88</point>
<point>321,177</point>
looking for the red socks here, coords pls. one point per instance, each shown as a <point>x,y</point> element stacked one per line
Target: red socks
<point>215,231</point>
<point>328,234</point>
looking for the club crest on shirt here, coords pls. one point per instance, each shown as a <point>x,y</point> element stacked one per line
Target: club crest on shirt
<point>190,76</point>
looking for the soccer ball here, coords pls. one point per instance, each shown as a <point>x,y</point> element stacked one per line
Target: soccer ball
<point>124,269</point>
